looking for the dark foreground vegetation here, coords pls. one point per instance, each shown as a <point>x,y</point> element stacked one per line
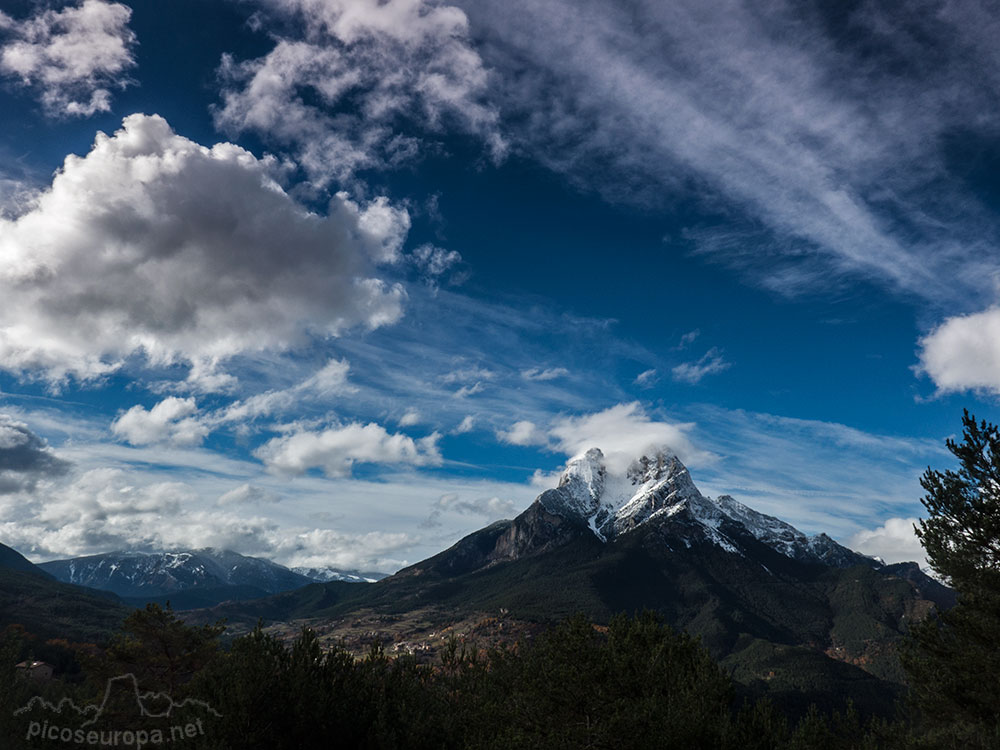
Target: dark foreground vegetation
<point>636,683</point>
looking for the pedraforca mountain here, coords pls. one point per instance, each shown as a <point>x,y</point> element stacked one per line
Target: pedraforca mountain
<point>656,493</point>
<point>796,617</point>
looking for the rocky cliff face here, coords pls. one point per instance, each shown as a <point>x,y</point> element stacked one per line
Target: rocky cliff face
<point>536,530</point>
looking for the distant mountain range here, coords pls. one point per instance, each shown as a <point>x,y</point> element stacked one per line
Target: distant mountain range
<point>195,578</point>
<point>795,616</point>
<point>325,575</point>
<point>86,598</point>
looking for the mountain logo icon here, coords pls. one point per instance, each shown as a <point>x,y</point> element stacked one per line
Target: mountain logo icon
<point>126,716</point>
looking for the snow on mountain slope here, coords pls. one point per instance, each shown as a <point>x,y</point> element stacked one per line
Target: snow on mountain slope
<point>660,487</point>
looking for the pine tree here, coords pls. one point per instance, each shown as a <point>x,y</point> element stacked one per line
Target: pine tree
<point>962,534</point>
<point>159,648</point>
<point>953,659</point>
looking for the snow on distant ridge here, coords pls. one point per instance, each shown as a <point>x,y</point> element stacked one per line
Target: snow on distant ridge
<point>325,575</point>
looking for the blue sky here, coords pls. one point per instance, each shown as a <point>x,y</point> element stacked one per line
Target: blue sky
<point>336,282</point>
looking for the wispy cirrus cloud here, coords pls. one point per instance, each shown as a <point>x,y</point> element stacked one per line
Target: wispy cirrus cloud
<point>646,378</point>
<point>710,363</point>
<point>71,58</point>
<point>547,373</point>
<point>822,138</point>
<point>819,476</point>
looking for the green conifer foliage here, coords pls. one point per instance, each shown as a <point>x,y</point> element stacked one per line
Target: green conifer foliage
<point>953,659</point>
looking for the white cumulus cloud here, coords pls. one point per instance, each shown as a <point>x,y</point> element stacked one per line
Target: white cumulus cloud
<point>335,450</point>
<point>894,541</point>
<point>154,245</point>
<point>524,432</point>
<point>71,57</point>
<point>403,60</point>
<point>173,420</point>
<point>963,353</point>
<point>410,418</point>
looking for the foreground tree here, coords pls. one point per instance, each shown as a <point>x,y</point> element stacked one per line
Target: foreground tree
<point>962,533</point>
<point>159,648</point>
<point>275,696</point>
<point>635,684</point>
<point>953,659</point>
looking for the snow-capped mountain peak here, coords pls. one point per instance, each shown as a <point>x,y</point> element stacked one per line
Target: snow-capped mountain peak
<point>611,503</point>
<point>659,487</point>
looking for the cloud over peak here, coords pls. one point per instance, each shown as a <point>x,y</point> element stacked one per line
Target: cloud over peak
<point>623,432</point>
